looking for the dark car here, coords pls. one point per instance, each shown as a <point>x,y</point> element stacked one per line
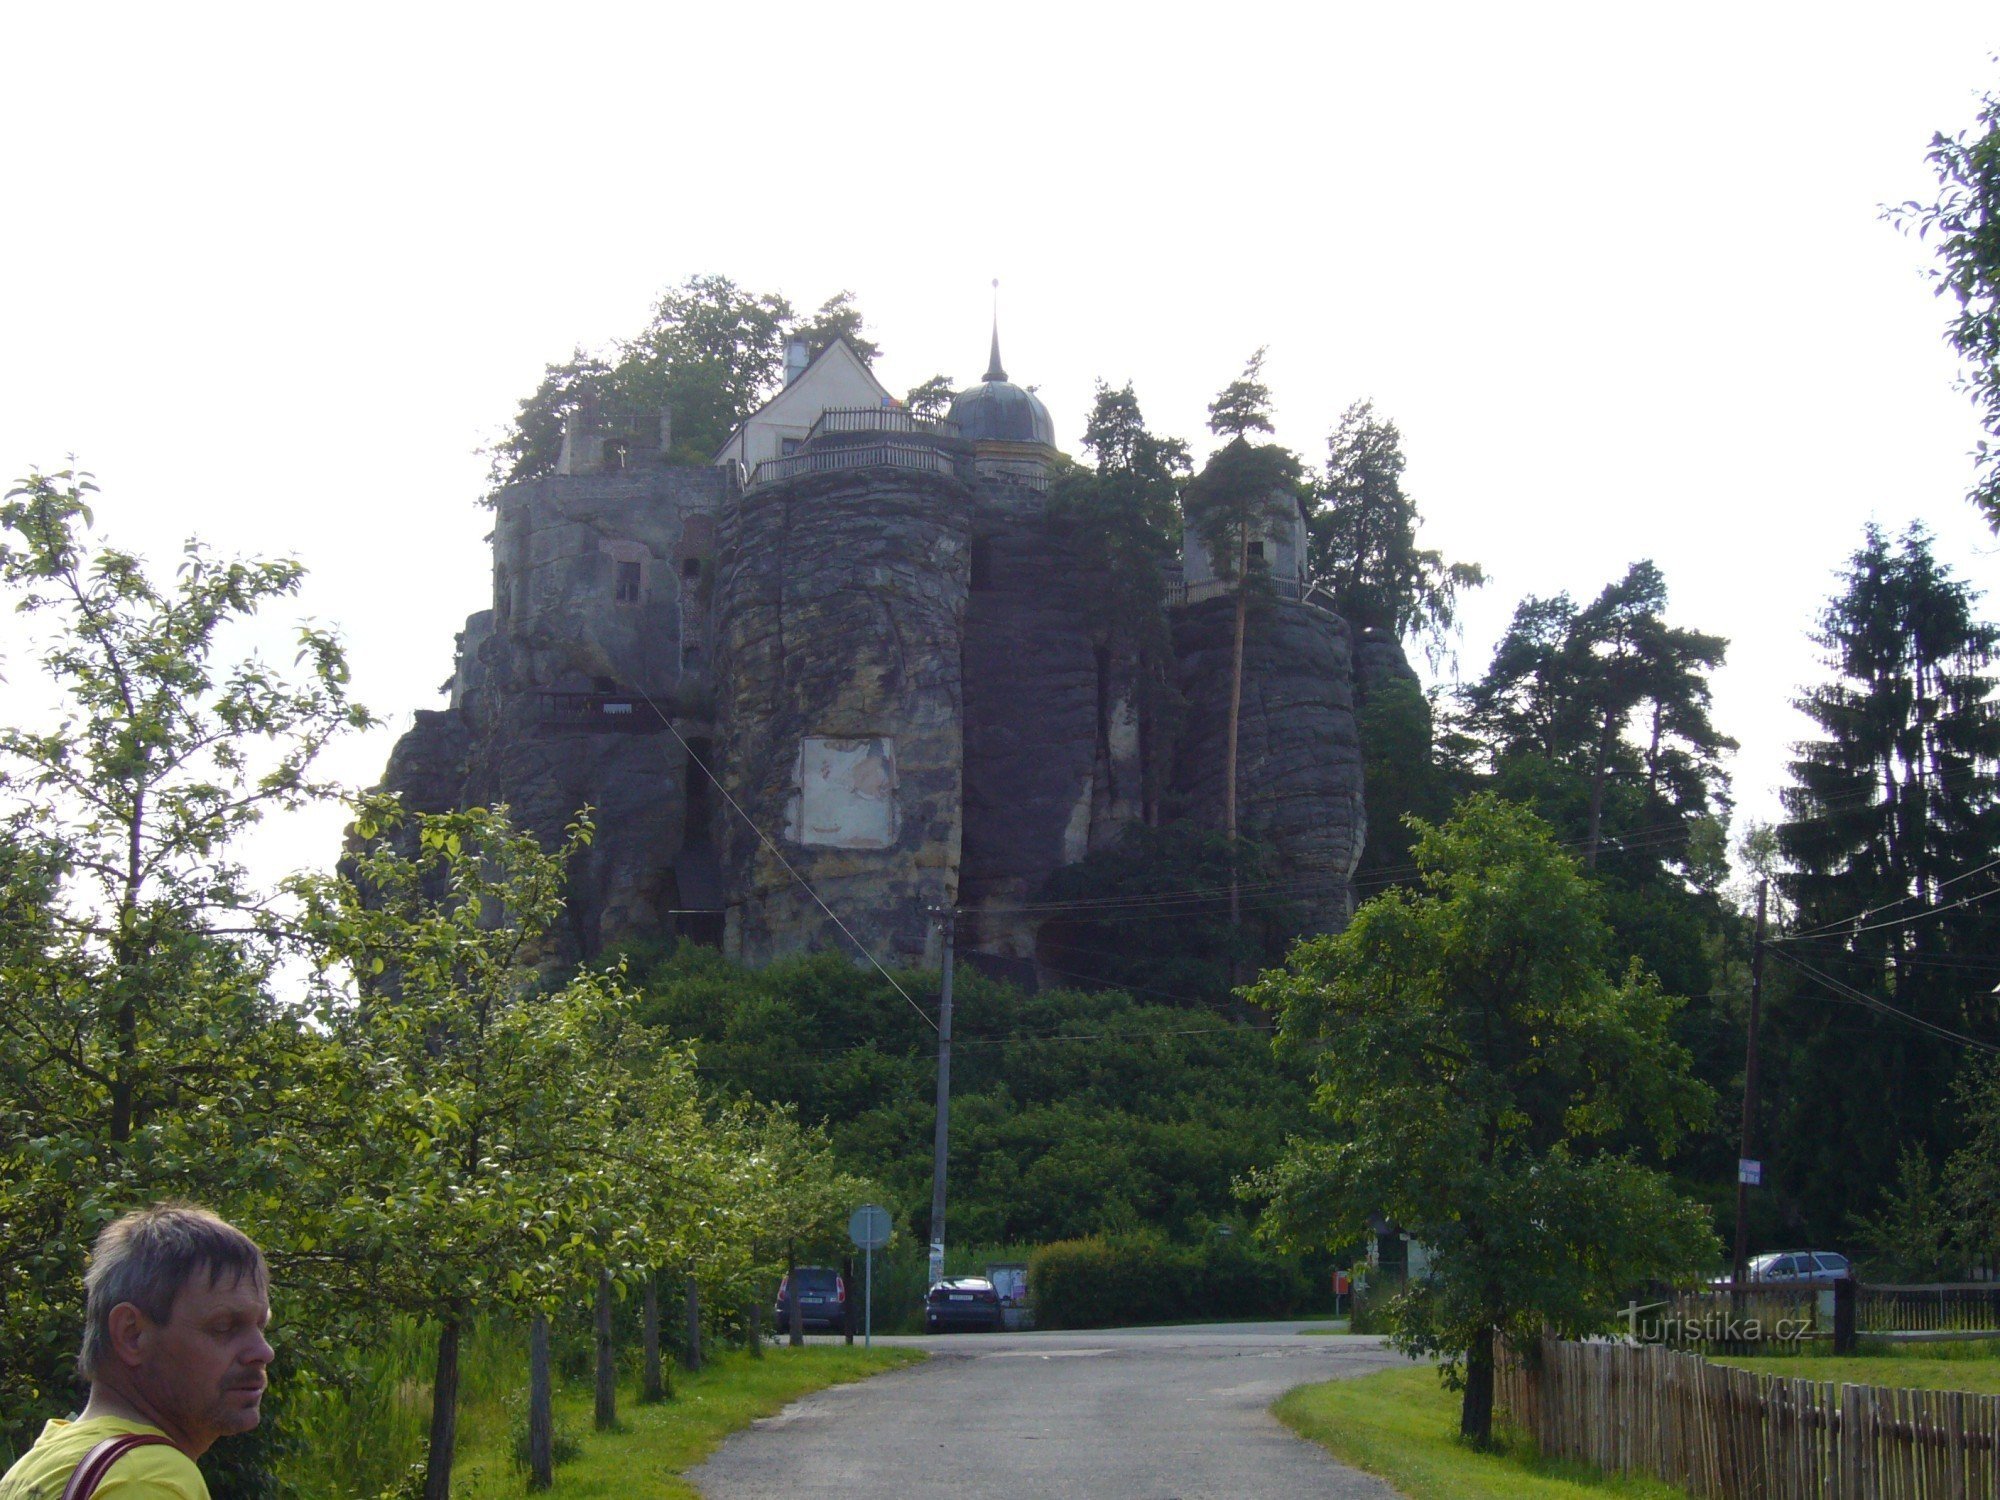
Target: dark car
<point>962,1302</point>
<point>822,1298</point>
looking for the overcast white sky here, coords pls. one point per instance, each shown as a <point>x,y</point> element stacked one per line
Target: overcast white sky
<point>275,273</point>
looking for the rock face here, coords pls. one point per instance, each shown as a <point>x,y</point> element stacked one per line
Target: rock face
<point>1379,661</point>
<point>882,653</point>
<point>841,598</point>
<point>1298,771</point>
<point>1051,748</point>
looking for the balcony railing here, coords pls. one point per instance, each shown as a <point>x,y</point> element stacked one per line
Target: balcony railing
<point>1181,592</point>
<point>857,456</point>
<point>895,420</point>
<point>604,713</point>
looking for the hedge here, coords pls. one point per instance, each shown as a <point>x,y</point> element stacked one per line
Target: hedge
<point>1107,1280</point>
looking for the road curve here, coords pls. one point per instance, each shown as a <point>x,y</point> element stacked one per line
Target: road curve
<point>1130,1414</point>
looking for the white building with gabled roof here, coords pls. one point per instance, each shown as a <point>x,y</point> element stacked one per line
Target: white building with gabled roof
<point>835,379</point>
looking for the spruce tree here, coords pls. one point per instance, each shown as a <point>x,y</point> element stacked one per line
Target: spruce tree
<point>1892,812</point>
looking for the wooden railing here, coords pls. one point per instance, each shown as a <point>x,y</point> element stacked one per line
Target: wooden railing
<point>1727,1434</point>
<point>1955,1307</point>
<point>612,713</point>
<point>889,419</point>
<point>856,456</point>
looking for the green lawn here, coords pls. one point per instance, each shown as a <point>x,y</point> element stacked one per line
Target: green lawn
<point>1402,1425</point>
<point>659,1443</point>
<point>1973,1365</point>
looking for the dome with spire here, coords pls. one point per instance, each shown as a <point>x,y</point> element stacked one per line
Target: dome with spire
<point>997,410</point>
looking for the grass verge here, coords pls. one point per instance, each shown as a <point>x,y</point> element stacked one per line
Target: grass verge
<point>1973,1365</point>
<point>657,1444</point>
<point>1402,1425</point>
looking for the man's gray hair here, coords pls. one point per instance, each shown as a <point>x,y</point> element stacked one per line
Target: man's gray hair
<point>146,1257</point>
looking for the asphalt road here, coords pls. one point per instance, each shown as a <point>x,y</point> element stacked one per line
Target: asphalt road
<point>1149,1414</point>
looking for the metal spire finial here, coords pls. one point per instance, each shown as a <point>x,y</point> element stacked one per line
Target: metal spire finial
<point>994,369</point>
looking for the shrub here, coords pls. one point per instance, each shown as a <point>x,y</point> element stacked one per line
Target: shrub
<point>1106,1280</point>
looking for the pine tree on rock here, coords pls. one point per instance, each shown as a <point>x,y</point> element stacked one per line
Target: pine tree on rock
<point>1244,490</point>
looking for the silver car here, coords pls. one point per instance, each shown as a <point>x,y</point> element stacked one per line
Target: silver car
<point>1800,1267</point>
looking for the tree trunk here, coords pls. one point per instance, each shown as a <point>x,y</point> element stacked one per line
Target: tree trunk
<point>756,1326</point>
<point>541,1419</point>
<point>1475,1416</point>
<point>795,1335</point>
<point>1600,774</point>
<point>444,1413</point>
<point>691,1356</point>
<point>654,1383</point>
<point>606,1415</point>
<point>1235,717</point>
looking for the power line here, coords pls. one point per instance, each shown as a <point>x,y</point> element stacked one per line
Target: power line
<point>779,855</point>
<point>1841,922</point>
<point>1873,1002</point>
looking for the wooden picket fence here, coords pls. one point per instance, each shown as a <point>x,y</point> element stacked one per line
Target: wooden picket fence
<point>1727,1434</point>
<point>1964,1307</point>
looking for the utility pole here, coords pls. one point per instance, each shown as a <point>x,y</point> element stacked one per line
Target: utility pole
<point>1743,1164</point>
<point>948,919</point>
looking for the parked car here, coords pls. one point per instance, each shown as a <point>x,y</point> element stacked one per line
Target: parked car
<point>1795,1268</point>
<point>962,1302</point>
<point>822,1298</point>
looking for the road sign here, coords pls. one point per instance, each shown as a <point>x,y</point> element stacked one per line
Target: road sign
<point>869,1227</point>
<point>1749,1172</point>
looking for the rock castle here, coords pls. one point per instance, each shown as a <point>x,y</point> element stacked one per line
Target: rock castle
<point>847,670</point>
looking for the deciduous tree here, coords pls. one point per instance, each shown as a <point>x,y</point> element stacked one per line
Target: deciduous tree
<point>463,1157</point>
<point>1964,222</point>
<point>1486,1080</point>
<point>141,1053</point>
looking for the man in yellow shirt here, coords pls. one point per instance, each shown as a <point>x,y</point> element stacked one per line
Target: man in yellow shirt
<point>173,1347</point>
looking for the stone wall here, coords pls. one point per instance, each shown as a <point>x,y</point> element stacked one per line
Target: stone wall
<point>1298,754</point>
<point>840,602</point>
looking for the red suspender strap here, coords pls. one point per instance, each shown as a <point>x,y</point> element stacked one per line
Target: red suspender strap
<point>98,1461</point>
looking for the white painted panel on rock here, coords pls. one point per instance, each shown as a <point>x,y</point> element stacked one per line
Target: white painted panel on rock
<point>846,797</point>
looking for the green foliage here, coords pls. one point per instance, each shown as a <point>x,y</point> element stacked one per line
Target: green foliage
<point>1597,717</point>
<point>1150,915</point>
<point>1071,1113</point>
<point>1615,696</point>
<point>1912,1237</point>
<point>1972,1176</point>
<point>1965,219</point>
<point>142,1055</point>
<point>1243,492</point>
<point>711,355</point>
<point>931,398</point>
<point>1891,807</point>
<point>1363,538</point>
<point>1121,520</point>
<point>1244,405</point>
<point>1403,776</point>
<point>1103,1281</point>
<point>1488,1085</point>
<point>837,318</point>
